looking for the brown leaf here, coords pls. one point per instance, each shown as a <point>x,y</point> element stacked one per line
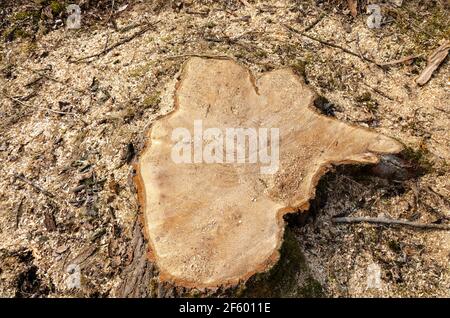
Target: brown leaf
<point>49,221</point>
<point>353,6</point>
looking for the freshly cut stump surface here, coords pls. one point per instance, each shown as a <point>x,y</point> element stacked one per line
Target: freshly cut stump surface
<point>218,223</point>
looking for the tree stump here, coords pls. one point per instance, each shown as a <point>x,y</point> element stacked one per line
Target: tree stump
<point>213,188</point>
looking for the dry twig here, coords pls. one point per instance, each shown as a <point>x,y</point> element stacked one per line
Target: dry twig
<point>107,49</point>
<point>336,46</point>
<point>386,221</point>
<point>208,56</point>
<point>401,60</point>
<point>44,108</point>
<point>34,185</point>
<point>380,92</point>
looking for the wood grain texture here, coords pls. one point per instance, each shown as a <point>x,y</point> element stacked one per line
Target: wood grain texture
<point>218,224</point>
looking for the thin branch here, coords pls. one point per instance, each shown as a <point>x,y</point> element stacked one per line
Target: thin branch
<point>401,60</point>
<point>41,73</point>
<point>314,23</point>
<point>336,46</point>
<point>115,45</point>
<point>380,92</point>
<point>209,56</point>
<point>386,221</point>
<point>43,108</point>
<point>19,212</point>
<point>34,185</point>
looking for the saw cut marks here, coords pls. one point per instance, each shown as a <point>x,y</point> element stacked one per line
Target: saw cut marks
<point>213,216</point>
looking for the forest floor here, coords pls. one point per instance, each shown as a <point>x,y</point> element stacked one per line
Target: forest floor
<point>75,106</point>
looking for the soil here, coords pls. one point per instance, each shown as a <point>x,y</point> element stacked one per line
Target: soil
<point>72,126</point>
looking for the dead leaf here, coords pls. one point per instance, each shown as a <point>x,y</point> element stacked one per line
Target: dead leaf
<point>353,6</point>
<point>122,8</point>
<point>49,221</point>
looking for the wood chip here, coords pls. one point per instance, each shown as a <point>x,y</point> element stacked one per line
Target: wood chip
<point>434,60</point>
<point>353,6</point>
<point>49,221</point>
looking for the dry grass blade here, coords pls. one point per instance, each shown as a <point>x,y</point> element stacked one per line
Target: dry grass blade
<point>336,46</point>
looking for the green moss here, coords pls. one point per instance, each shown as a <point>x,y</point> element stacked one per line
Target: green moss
<point>394,246</point>
<point>141,70</point>
<point>239,54</point>
<point>153,287</point>
<point>253,53</point>
<point>57,7</point>
<point>41,2</point>
<point>311,289</point>
<point>366,100</point>
<point>20,33</point>
<point>13,33</point>
<point>210,24</point>
<point>419,158</point>
<point>290,277</point>
<point>152,101</point>
<point>299,67</point>
<point>365,97</point>
<point>22,15</point>
<point>8,34</point>
<point>424,28</point>
<point>260,54</point>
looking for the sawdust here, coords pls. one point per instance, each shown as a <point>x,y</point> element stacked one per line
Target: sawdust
<point>70,134</point>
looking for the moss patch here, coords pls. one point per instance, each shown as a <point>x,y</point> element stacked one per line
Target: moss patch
<point>22,15</point>
<point>290,277</point>
<point>299,68</point>
<point>366,100</point>
<point>14,33</point>
<point>425,28</point>
<point>152,101</point>
<point>419,158</point>
<point>141,70</point>
<point>57,7</point>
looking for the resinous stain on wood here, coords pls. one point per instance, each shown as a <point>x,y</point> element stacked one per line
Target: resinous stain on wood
<point>212,224</point>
